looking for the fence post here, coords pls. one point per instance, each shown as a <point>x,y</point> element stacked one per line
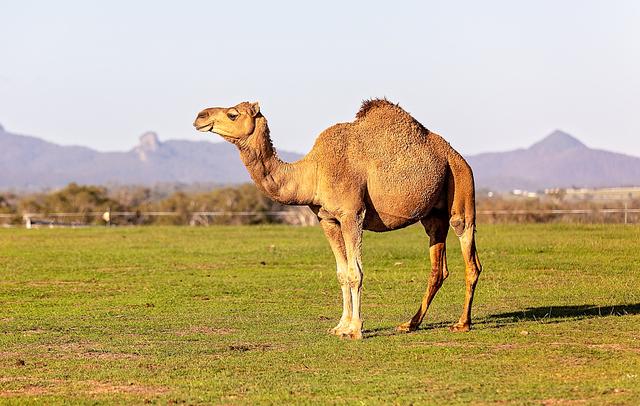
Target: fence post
<point>106,216</point>
<point>625,212</point>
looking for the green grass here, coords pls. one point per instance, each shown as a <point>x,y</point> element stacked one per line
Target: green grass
<point>238,315</point>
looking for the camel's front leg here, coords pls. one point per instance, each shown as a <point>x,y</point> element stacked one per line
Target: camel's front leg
<point>351,226</point>
<point>334,236</point>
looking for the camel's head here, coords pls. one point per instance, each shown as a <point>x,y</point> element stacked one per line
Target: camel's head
<point>232,123</point>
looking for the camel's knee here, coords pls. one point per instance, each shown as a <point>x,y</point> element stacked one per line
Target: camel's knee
<point>473,273</point>
<point>354,277</point>
<point>457,223</point>
<point>343,278</point>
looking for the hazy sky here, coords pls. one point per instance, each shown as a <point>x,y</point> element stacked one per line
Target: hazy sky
<point>488,75</point>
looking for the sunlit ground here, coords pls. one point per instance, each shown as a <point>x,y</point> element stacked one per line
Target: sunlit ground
<point>239,315</point>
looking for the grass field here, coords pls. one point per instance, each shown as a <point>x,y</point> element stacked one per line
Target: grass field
<point>238,315</point>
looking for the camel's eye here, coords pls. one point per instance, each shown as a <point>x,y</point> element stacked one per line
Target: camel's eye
<point>233,115</point>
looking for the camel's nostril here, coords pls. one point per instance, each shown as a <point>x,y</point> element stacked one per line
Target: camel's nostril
<point>203,115</point>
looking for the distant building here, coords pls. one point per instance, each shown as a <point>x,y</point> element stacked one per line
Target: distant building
<point>523,193</point>
<point>613,193</point>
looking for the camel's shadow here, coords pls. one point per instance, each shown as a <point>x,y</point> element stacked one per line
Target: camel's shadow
<point>559,314</point>
<point>543,314</point>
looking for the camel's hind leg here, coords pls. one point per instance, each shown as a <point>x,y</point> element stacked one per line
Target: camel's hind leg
<point>461,201</point>
<point>473,269</point>
<point>436,226</point>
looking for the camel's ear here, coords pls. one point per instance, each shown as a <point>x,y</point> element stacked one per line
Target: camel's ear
<point>255,109</point>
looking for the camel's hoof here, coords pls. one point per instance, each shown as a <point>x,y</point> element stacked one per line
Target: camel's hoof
<point>336,331</point>
<point>352,335</point>
<point>460,328</point>
<point>406,327</point>
<point>339,329</point>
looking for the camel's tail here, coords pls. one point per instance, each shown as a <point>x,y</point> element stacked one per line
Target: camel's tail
<point>461,194</point>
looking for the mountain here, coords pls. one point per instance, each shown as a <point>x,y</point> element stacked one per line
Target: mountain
<point>31,163</point>
<point>558,160</point>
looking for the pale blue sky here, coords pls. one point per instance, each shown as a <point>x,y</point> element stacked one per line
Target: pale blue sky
<point>488,75</point>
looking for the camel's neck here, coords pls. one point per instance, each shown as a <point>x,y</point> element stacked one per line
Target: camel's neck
<point>287,183</point>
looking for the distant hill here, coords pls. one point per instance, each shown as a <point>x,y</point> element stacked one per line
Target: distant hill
<point>31,163</point>
<point>558,160</point>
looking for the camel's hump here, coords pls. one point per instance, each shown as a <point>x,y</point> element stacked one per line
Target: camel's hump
<point>372,104</point>
<point>390,111</point>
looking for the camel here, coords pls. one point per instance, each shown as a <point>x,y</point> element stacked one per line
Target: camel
<point>381,172</point>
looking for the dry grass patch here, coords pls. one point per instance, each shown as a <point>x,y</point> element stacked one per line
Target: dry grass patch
<point>204,330</point>
<point>33,387</point>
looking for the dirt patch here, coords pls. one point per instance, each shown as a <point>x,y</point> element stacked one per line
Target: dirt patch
<point>58,283</point>
<point>56,386</point>
<point>205,330</point>
<point>553,402</point>
<point>5,379</point>
<point>27,391</point>
<point>33,331</point>
<point>249,347</point>
<point>104,355</point>
<point>102,387</point>
<point>507,346</point>
<point>613,347</point>
<point>31,387</point>
<point>83,351</point>
<point>440,344</point>
<point>450,344</point>
<point>9,354</point>
<point>199,267</point>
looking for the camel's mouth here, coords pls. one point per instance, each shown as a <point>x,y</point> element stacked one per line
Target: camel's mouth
<point>205,128</point>
<point>209,128</point>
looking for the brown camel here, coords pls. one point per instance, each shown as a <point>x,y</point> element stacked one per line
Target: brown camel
<point>381,172</point>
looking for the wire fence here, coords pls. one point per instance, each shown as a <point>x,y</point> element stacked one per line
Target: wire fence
<point>303,216</point>
<point>625,215</point>
<point>295,216</point>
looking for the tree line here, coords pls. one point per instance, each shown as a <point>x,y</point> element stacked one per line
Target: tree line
<point>86,200</point>
<point>186,202</point>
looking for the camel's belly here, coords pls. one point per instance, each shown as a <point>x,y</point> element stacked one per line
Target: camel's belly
<point>394,201</point>
<point>394,211</point>
<point>380,222</point>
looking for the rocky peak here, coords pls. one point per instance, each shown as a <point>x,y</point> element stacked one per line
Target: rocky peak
<point>149,143</point>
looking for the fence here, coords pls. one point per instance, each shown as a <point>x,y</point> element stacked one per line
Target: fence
<point>608,215</point>
<point>303,216</point>
<point>295,216</point>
